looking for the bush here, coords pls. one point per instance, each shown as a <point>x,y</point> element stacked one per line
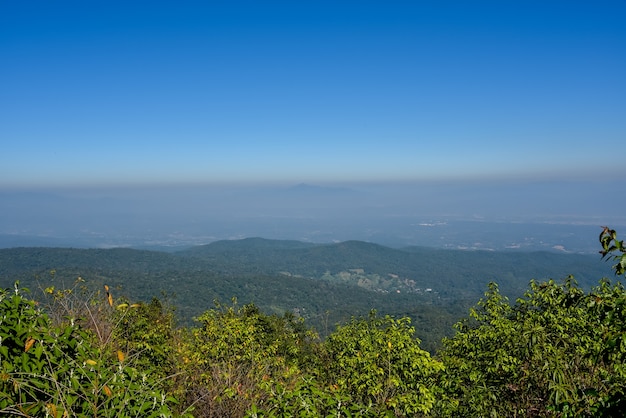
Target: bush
<point>229,362</point>
<point>58,371</point>
<point>558,351</point>
<point>378,364</point>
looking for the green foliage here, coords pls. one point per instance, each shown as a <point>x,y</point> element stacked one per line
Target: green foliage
<point>303,396</point>
<point>283,276</point>
<point>57,371</point>
<point>370,367</point>
<point>558,351</point>
<point>145,332</point>
<point>379,365</point>
<point>229,362</point>
<point>610,245</point>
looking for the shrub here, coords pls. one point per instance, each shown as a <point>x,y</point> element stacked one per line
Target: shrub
<point>378,364</point>
<point>558,351</point>
<point>58,371</point>
<point>229,361</point>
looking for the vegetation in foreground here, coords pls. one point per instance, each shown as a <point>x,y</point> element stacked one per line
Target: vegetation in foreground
<point>557,351</point>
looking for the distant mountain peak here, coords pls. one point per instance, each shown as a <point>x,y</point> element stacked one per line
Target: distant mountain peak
<point>304,186</point>
<point>246,244</point>
<point>312,188</point>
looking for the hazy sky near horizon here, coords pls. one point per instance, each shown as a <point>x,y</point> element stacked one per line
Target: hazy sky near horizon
<point>97,93</point>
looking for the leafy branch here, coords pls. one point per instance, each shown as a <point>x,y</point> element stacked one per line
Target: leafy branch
<point>610,246</point>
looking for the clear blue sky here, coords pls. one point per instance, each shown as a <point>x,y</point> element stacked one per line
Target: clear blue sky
<point>137,92</point>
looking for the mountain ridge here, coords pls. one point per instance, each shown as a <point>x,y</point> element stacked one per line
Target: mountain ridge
<point>428,267</point>
<point>324,283</point>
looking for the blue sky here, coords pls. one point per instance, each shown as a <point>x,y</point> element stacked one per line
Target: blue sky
<point>105,93</point>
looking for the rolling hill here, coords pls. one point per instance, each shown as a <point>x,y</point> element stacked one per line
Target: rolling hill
<point>324,283</point>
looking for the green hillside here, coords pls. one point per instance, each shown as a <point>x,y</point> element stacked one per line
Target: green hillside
<point>325,284</point>
<point>557,350</point>
<point>452,273</point>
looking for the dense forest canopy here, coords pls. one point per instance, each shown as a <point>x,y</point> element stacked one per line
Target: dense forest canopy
<point>325,284</point>
<point>557,350</point>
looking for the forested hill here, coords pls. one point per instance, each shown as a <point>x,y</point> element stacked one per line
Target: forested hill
<point>466,272</point>
<point>324,283</point>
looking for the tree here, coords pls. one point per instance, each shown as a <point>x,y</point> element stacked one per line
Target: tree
<point>237,355</point>
<point>378,363</point>
<point>558,351</point>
